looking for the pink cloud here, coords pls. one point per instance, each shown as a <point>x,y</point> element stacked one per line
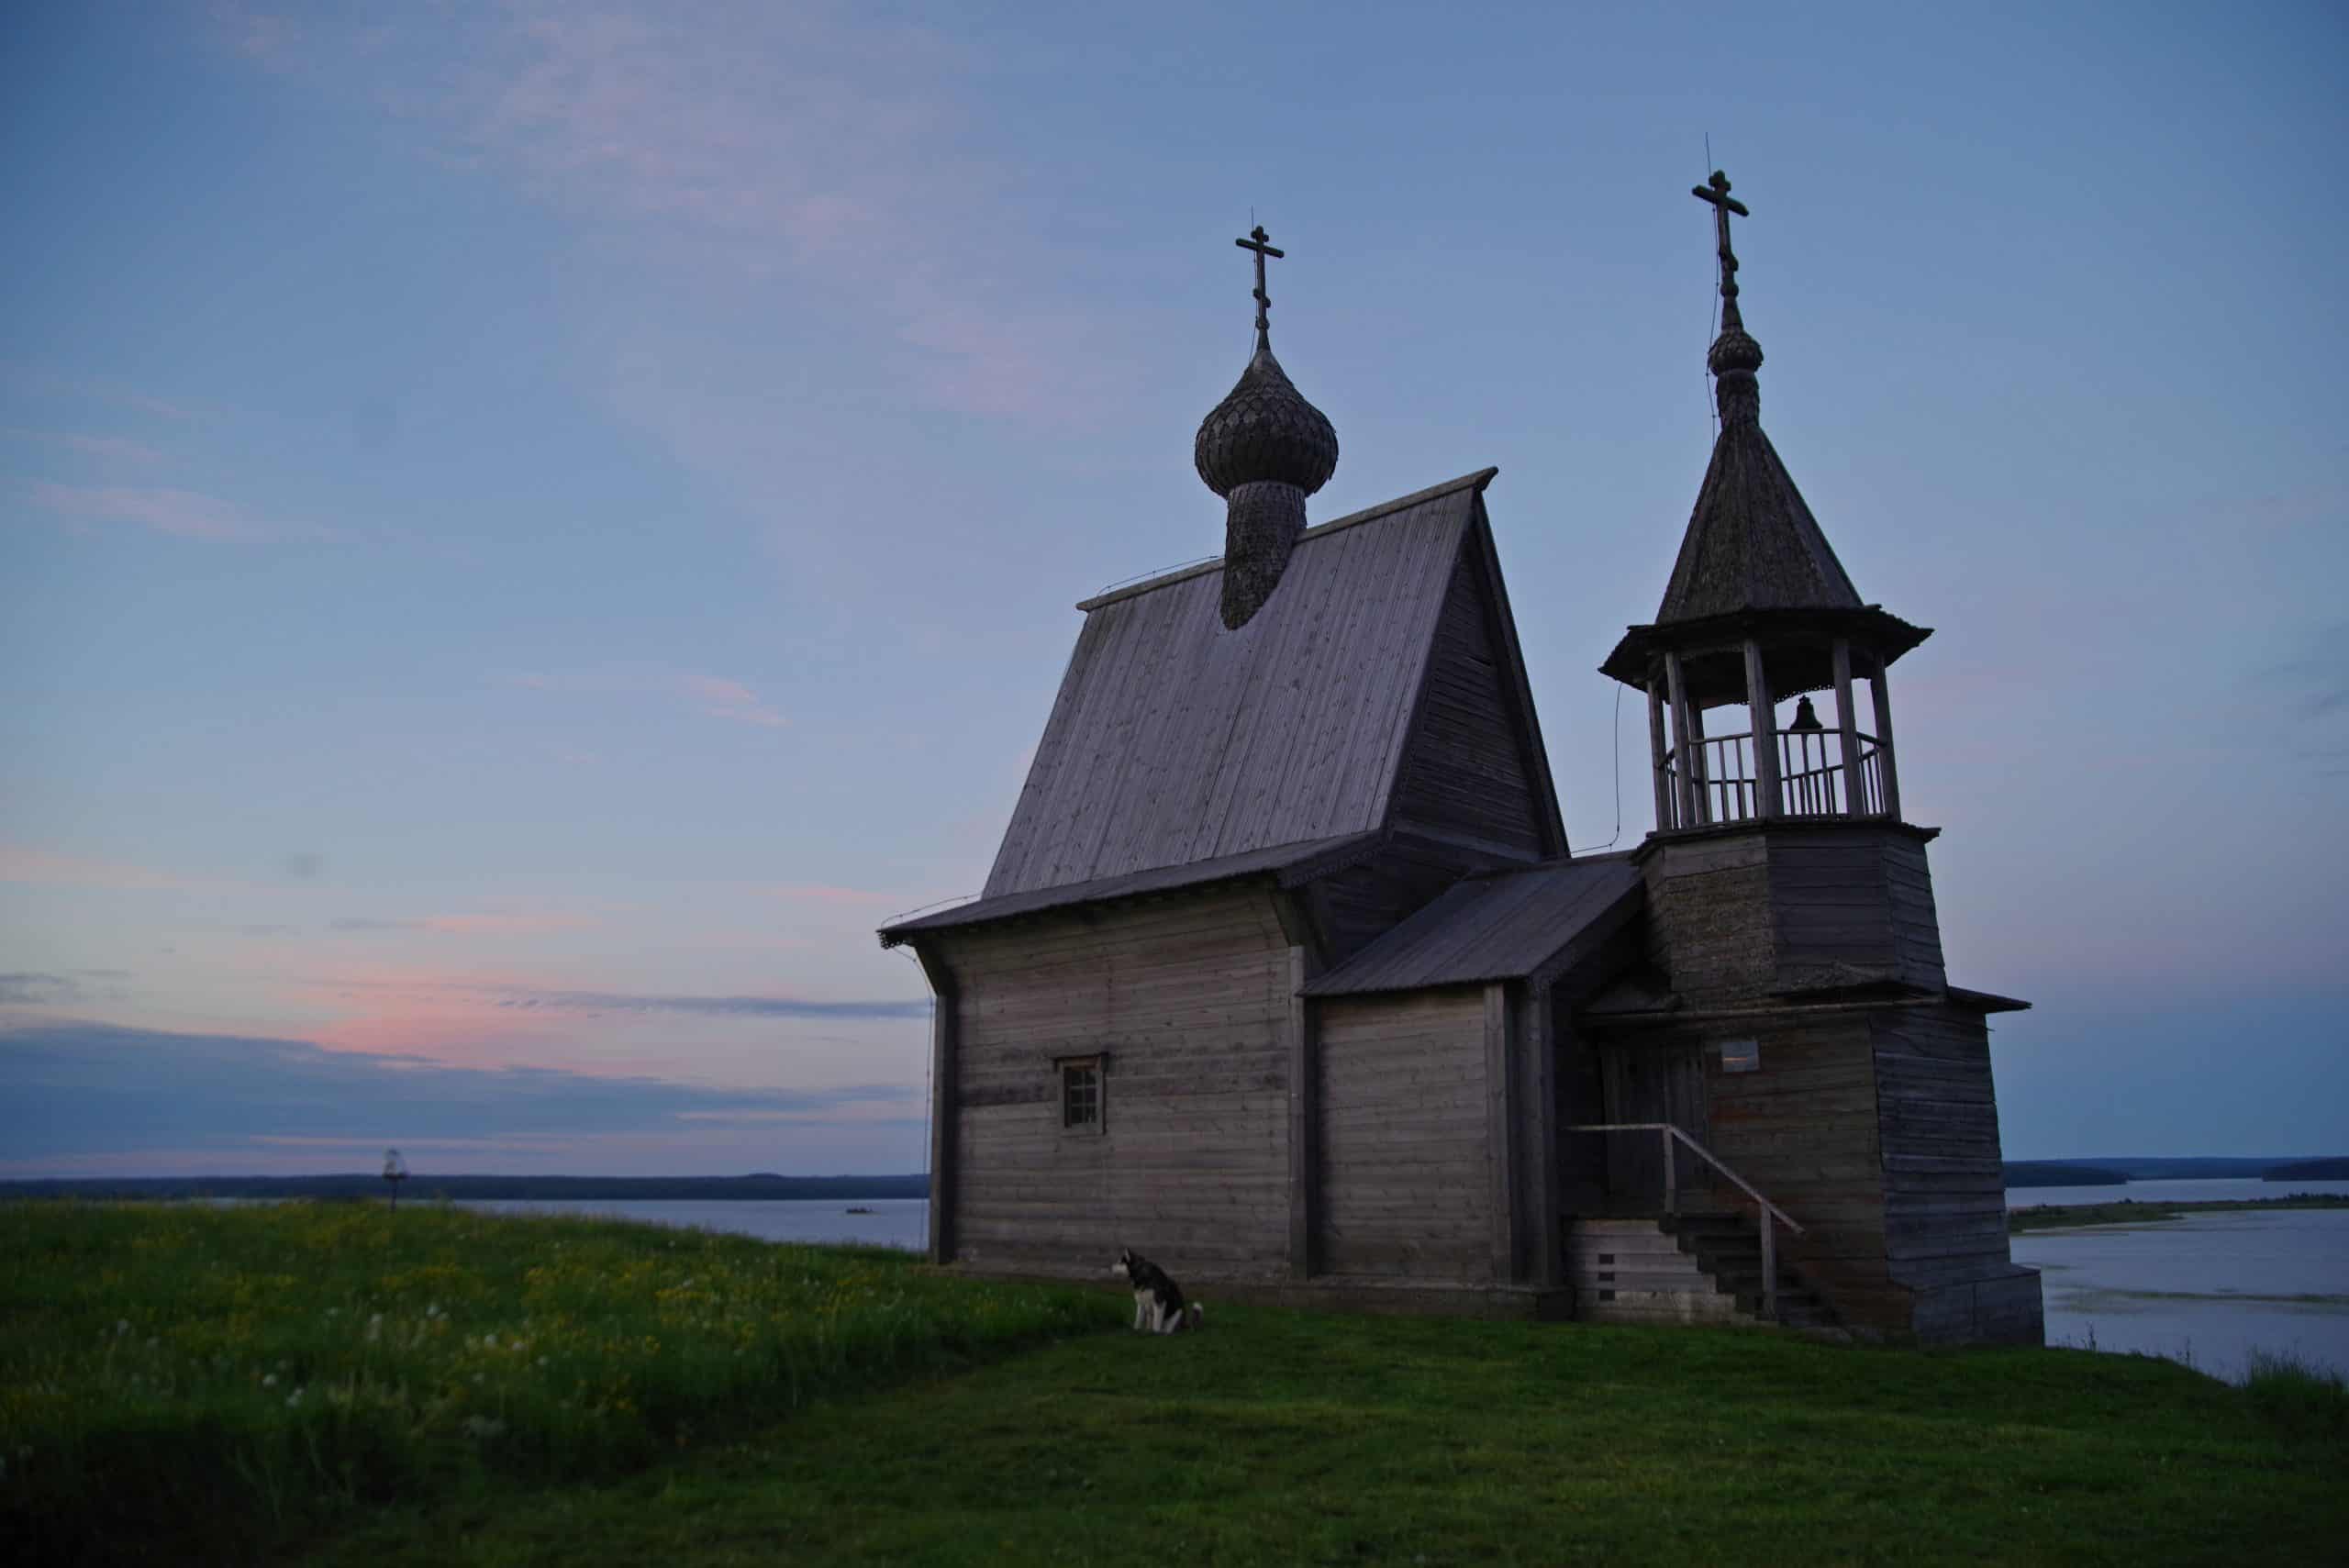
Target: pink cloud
<point>504,925</point>
<point>183,514</point>
<point>720,698</point>
<point>42,868</point>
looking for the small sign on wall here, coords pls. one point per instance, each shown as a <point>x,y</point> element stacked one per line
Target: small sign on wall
<point>1741,1055</point>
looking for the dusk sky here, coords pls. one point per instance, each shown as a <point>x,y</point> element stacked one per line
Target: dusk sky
<point>526,530</point>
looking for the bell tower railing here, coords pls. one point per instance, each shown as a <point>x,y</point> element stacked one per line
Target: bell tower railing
<point>1813,777</point>
<point>1805,772</point>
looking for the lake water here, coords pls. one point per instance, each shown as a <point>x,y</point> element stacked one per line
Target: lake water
<point>2207,1289</point>
<point>902,1222</point>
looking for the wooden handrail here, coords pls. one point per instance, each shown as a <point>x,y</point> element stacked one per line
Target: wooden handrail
<point>1770,1211</point>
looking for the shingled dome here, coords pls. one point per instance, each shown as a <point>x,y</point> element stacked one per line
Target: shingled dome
<point>1266,431</point>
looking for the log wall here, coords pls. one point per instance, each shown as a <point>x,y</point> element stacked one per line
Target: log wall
<point>1408,1182</point>
<point>1946,1203</point>
<point>1188,997</point>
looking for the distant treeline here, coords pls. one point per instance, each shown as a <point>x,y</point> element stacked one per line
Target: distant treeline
<point>420,1185</point>
<point>2158,1168</point>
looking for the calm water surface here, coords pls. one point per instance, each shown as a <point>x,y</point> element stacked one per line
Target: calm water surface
<point>2207,1289</point>
<point>902,1222</point>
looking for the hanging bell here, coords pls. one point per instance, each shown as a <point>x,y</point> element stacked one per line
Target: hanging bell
<point>1806,717</point>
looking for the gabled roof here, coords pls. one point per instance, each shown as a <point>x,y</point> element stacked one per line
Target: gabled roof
<point>1177,742</point>
<point>1752,543</point>
<point>1290,863</point>
<point>1505,925</point>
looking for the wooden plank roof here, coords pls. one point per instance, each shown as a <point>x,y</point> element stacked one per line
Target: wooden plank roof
<point>1296,861</point>
<point>1177,742</point>
<point>1505,925</point>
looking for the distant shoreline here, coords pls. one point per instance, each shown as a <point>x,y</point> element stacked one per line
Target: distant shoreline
<point>425,1188</point>
<point>2128,1211</point>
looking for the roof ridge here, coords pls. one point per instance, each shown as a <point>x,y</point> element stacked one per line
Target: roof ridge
<point>1478,480</point>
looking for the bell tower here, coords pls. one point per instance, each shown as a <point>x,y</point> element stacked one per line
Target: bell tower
<point>1759,617</point>
<point>1791,994</point>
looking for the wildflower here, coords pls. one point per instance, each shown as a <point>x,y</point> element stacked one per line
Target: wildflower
<point>489,1341</point>
<point>270,1381</point>
<point>483,1427</point>
<point>374,1328</point>
<point>121,1327</point>
<point>293,1400</point>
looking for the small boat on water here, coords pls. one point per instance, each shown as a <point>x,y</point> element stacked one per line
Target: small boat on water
<point>854,1210</point>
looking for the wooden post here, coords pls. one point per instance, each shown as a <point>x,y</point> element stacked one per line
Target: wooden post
<point>1661,778</point>
<point>1853,798</point>
<point>1536,1020</point>
<point>945,1105</point>
<point>1698,767</point>
<point>1766,733</point>
<point>1303,1120</point>
<point>1500,1132</point>
<point>1671,1176</point>
<point>1884,745</point>
<point>1769,1265</point>
<point>1685,749</point>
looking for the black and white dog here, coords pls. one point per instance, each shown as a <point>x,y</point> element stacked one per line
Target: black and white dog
<point>1159,1307</point>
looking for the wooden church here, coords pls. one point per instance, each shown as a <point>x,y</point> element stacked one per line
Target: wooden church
<point>1286,976</point>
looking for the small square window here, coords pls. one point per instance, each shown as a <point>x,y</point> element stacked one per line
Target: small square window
<point>1081,1094</point>
<point>1741,1055</point>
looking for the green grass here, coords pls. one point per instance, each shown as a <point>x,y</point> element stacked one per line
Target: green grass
<point>1275,1437</point>
<point>180,1381</point>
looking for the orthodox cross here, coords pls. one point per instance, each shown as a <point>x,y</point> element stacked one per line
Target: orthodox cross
<point>1715,191</point>
<point>1255,242</point>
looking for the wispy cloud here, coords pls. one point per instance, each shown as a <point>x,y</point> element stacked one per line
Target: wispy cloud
<point>44,868</point>
<point>711,697</point>
<point>736,142</point>
<point>819,893</point>
<point>470,925</point>
<point>183,513</point>
<point>717,1007</point>
<point>720,698</point>
<point>107,449</point>
<point>77,1090</point>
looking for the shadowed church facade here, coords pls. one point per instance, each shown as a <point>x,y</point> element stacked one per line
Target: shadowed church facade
<point>1285,975</point>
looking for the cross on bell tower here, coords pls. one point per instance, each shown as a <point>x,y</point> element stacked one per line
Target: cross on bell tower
<point>1256,242</point>
<point>1715,191</point>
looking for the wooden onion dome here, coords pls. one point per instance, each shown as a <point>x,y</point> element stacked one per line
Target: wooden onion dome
<point>1759,610</point>
<point>1264,448</point>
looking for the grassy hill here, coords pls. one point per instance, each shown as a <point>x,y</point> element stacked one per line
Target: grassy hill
<point>685,1399</point>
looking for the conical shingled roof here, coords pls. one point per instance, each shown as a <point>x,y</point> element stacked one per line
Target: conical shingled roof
<point>1752,543</point>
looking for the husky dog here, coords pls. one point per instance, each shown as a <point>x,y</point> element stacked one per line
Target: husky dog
<point>1159,1307</point>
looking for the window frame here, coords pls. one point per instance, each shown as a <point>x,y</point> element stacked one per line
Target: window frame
<point>1064,1068</point>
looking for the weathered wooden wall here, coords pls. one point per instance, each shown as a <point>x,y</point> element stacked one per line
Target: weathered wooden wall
<point>1465,770</point>
<point>1760,913</point>
<point>1945,1202</point>
<point>1709,917</point>
<point>1408,1181</point>
<point>1803,1129</point>
<point>1851,904</point>
<point>1190,997</point>
<point>1354,906</point>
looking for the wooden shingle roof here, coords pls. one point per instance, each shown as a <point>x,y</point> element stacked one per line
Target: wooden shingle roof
<point>1752,543</point>
<point>1506,925</point>
<point>1176,742</point>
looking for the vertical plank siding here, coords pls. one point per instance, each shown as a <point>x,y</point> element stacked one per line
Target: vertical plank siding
<point>1407,1173</point>
<point>1464,767</point>
<point>1189,996</point>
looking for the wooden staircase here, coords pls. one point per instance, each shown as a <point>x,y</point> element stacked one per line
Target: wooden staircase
<point>1703,1267</point>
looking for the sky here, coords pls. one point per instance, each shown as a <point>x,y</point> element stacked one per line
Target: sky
<point>528,529</point>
